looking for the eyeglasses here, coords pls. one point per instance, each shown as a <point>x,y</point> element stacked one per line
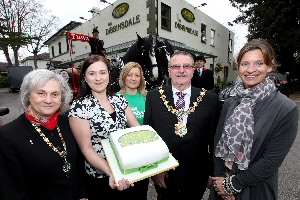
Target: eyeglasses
<point>185,67</point>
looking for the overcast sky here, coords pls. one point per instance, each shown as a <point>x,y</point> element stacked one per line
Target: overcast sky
<point>71,10</point>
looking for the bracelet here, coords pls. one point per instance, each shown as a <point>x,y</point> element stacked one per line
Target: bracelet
<point>236,191</point>
<point>228,186</point>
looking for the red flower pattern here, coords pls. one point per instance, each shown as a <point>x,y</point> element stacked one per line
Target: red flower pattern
<point>204,68</point>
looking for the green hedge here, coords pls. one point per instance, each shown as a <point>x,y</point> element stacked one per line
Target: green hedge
<point>4,82</point>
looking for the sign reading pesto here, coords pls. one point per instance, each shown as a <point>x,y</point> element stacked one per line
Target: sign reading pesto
<point>122,25</point>
<point>187,15</point>
<point>120,10</point>
<point>186,29</point>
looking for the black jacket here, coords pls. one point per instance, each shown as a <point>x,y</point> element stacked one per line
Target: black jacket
<point>206,80</point>
<point>30,169</point>
<point>96,46</point>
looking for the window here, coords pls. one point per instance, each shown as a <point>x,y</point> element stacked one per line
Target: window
<point>68,47</point>
<point>230,45</point>
<point>165,17</point>
<point>203,33</point>
<point>212,37</point>
<point>52,51</point>
<point>59,48</point>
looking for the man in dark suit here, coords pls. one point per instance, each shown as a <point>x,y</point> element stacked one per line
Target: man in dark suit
<point>96,44</point>
<point>186,119</point>
<point>203,77</point>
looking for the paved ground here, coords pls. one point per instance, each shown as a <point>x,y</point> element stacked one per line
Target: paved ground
<point>289,174</point>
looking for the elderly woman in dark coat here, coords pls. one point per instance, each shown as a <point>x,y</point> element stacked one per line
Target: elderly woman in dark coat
<point>256,130</point>
<point>38,154</point>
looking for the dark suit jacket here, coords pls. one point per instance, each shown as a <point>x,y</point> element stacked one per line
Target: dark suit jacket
<point>191,150</point>
<point>206,80</point>
<point>30,169</point>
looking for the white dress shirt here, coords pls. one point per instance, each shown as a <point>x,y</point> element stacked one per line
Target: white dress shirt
<point>187,99</point>
<point>200,71</point>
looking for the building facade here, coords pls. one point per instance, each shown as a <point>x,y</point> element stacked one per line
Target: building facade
<point>185,27</point>
<point>42,61</point>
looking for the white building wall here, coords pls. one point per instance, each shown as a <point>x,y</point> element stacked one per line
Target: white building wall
<point>65,55</point>
<point>40,63</point>
<point>137,14</point>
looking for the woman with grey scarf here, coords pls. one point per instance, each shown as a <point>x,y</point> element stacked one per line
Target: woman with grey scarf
<point>256,130</point>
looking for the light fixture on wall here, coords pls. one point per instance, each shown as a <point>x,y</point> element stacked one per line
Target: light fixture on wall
<point>94,12</point>
<point>230,24</point>
<point>201,5</point>
<point>82,18</point>
<point>104,1</point>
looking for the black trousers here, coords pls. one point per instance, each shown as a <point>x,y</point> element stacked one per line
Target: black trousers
<point>177,194</point>
<point>99,189</point>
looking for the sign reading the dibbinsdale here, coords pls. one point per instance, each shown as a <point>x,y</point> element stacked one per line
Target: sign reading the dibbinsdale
<point>123,25</point>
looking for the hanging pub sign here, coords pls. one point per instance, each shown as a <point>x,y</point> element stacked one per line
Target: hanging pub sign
<point>120,10</point>
<point>187,15</point>
<point>76,37</point>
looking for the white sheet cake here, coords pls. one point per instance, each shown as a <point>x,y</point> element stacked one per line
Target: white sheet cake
<point>138,146</point>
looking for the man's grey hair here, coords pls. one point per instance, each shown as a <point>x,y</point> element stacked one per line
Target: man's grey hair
<point>181,53</point>
<point>40,77</point>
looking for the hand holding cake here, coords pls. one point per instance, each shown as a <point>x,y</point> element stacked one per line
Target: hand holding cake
<point>122,184</point>
<point>159,179</point>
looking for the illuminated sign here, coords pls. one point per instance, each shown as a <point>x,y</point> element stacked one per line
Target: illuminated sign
<point>187,15</point>
<point>120,10</point>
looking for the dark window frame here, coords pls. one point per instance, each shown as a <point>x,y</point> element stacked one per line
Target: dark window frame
<point>166,19</point>
<point>59,48</point>
<point>68,47</point>
<point>52,51</point>
<point>203,33</point>
<point>212,39</point>
<point>230,45</point>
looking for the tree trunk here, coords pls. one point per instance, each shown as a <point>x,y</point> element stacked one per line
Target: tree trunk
<point>16,55</point>
<point>35,59</point>
<point>6,53</point>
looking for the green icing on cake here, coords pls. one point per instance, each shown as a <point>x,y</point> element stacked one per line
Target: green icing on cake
<point>140,169</point>
<point>137,137</point>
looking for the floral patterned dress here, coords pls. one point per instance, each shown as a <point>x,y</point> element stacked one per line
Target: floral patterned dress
<point>101,122</point>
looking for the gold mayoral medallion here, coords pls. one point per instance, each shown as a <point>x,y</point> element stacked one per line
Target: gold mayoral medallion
<point>180,127</point>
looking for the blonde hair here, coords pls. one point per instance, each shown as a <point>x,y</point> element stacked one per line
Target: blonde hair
<point>124,73</point>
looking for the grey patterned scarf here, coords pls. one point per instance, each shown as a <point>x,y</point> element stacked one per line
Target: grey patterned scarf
<point>235,144</point>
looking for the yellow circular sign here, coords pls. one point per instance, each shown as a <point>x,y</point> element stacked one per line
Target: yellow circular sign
<point>120,10</point>
<point>188,15</point>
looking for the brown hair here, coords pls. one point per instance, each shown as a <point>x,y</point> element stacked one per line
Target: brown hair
<point>266,49</point>
<point>124,73</point>
<point>84,87</point>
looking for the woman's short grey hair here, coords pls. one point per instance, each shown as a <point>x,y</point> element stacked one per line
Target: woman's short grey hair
<point>40,77</point>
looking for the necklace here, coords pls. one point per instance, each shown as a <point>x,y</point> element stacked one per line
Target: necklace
<point>63,154</point>
<point>180,127</point>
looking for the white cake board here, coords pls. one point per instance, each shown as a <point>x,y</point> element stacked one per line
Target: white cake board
<point>135,176</point>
